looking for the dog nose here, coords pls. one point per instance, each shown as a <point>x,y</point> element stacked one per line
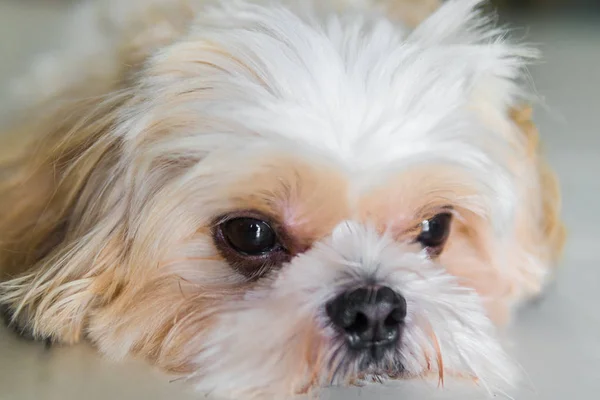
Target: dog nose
<point>369,317</point>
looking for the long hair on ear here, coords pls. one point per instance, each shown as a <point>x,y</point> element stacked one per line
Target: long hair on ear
<point>552,229</point>
<point>61,194</point>
<point>55,213</point>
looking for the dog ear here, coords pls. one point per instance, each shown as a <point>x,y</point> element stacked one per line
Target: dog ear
<point>489,66</point>
<point>61,195</point>
<point>55,210</point>
<point>552,229</point>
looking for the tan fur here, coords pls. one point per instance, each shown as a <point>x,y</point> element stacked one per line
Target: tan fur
<point>309,200</point>
<point>540,233</point>
<point>44,179</point>
<point>552,229</point>
<point>411,12</point>
<point>38,211</point>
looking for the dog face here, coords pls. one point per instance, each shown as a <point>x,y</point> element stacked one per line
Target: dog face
<point>284,202</point>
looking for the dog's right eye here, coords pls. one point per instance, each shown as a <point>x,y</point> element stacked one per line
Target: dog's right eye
<point>250,245</point>
<point>249,236</point>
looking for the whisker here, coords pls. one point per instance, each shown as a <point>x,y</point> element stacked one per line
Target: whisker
<point>334,354</point>
<point>503,393</point>
<point>439,358</point>
<point>427,360</point>
<point>336,371</point>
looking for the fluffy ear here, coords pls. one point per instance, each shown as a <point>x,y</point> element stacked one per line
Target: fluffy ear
<point>60,188</point>
<point>55,210</point>
<point>478,53</point>
<point>492,72</point>
<point>552,229</point>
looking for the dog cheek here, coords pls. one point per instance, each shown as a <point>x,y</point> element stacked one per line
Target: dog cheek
<point>162,311</point>
<point>157,322</point>
<point>273,339</point>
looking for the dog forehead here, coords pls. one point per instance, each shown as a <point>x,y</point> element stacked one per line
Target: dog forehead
<point>362,91</point>
<point>359,87</point>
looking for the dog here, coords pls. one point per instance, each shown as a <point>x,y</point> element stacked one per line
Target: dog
<point>267,198</point>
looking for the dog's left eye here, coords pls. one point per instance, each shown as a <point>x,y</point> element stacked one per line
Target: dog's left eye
<point>435,232</point>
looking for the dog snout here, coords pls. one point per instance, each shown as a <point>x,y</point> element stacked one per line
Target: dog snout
<point>370,318</point>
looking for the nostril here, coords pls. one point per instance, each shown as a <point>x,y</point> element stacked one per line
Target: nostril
<point>360,324</point>
<point>395,318</point>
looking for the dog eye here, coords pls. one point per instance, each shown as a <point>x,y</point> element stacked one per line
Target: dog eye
<point>250,245</point>
<point>249,236</point>
<point>435,232</point>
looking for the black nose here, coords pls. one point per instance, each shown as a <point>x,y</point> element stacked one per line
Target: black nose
<point>370,317</point>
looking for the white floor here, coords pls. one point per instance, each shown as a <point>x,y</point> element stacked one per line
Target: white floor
<point>557,339</point>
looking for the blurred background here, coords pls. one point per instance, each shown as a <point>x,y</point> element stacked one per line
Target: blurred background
<point>557,339</point>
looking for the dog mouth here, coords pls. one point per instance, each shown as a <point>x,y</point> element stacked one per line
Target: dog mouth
<point>376,351</point>
<point>373,362</point>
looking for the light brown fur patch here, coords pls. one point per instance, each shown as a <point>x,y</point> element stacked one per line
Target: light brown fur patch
<point>411,12</point>
<point>309,200</point>
<point>553,231</point>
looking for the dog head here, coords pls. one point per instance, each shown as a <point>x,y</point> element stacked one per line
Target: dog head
<point>280,201</point>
